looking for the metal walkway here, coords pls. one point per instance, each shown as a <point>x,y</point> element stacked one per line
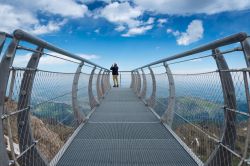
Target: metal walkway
<point>198,116</point>
<point>123,131</point>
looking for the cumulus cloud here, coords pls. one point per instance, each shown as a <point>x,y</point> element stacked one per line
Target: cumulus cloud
<point>137,31</point>
<point>48,28</point>
<point>183,7</point>
<point>122,13</point>
<point>64,8</point>
<point>120,28</point>
<point>67,8</point>
<point>14,14</point>
<point>140,29</point>
<point>193,33</point>
<point>12,18</point>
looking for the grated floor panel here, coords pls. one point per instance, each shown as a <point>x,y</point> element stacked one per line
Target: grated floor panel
<point>123,132</point>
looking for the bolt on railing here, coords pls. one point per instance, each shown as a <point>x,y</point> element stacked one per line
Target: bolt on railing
<point>40,110</point>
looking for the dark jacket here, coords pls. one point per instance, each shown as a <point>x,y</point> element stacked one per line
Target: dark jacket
<point>114,70</point>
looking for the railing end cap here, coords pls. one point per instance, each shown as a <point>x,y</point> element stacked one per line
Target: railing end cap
<point>18,33</point>
<point>242,36</point>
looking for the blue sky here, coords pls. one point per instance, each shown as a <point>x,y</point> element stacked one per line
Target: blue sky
<point>131,33</point>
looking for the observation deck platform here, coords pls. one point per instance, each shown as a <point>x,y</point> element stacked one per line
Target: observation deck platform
<point>122,131</point>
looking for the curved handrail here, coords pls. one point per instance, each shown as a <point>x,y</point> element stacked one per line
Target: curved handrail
<point>226,143</point>
<point>22,35</point>
<point>239,37</point>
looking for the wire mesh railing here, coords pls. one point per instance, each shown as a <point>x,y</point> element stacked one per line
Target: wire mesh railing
<point>41,109</point>
<point>206,108</point>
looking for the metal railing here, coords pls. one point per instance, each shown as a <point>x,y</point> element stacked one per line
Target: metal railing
<point>40,109</point>
<point>208,111</point>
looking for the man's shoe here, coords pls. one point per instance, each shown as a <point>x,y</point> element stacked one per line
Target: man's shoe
<point>114,86</point>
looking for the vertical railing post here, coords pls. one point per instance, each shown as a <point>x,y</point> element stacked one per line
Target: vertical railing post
<point>168,116</point>
<point>103,83</point>
<point>144,86</point>
<point>221,156</point>
<point>246,49</point>
<point>8,123</point>
<point>135,81</point>
<point>247,143</point>
<point>138,87</point>
<point>98,86</point>
<point>132,80</point>
<point>92,101</point>
<point>2,41</point>
<point>151,100</point>
<point>80,117</point>
<point>24,129</point>
<point>5,65</point>
<point>108,80</point>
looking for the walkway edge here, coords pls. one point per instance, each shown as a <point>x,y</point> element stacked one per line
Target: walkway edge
<point>58,156</point>
<point>184,146</point>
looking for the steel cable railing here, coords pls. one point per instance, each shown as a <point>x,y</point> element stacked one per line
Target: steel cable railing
<point>42,109</point>
<point>208,111</point>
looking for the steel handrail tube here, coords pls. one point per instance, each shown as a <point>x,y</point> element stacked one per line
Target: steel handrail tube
<point>239,37</point>
<point>24,36</point>
<point>6,63</point>
<point>6,34</point>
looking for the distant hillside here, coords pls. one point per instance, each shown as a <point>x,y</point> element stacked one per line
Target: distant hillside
<point>54,112</point>
<point>208,116</point>
<point>50,141</point>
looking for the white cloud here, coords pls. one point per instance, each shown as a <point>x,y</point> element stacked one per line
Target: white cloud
<point>14,15</point>
<point>89,56</point>
<point>120,28</point>
<point>49,28</point>
<point>64,8</point>
<point>97,31</point>
<point>141,28</point>
<point>67,8</point>
<point>182,7</point>
<point>162,21</point>
<point>175,33</point>
<point>150,20</point>
<point>122,13</point>
<point>137,31</point>
<point>11,18</point>
<point>22,60</point>
<point>193,33</point>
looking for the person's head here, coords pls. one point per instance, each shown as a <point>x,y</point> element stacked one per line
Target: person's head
<point>115,64</point>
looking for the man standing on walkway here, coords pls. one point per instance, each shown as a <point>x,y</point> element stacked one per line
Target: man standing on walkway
<point>114,69</point>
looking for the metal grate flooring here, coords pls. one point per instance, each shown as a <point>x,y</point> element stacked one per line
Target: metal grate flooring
<point>123,132</point>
